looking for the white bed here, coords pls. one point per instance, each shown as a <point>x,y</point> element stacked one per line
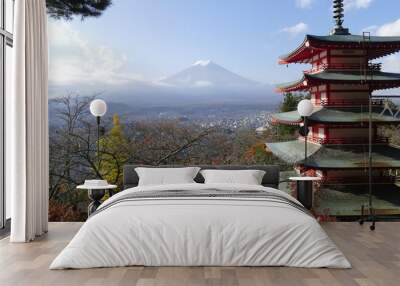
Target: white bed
<point>201,231</point>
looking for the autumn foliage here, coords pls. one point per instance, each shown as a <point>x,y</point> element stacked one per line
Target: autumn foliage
<point>73,145</point>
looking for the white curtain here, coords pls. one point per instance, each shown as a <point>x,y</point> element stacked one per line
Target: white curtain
<point>27,123</point>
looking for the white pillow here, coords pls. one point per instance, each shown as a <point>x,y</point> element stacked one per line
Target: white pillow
<point>166,176</point>
<point>248,177</point>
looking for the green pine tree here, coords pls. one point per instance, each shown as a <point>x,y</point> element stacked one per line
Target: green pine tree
<point>114,153</point>
<point>66,9</point>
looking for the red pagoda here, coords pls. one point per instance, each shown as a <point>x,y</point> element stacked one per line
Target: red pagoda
<point>340,82</point>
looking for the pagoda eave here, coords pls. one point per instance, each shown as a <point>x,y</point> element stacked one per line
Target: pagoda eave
<point>375,79</point>
<point>377,46</point>
<point>276,121</point>
<point>354,157</point>
<point>322,157</point>
<point>297,87</point>
<point>291,152</point>
<point>302,54</point>
<point>373,84</point>
<point>338,116</point>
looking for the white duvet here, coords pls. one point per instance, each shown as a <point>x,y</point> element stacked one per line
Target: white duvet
<point>202,232</point>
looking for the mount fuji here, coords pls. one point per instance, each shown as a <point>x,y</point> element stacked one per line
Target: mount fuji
<point>203,89</point>
<point>206,73</point>
<point>204,83</point>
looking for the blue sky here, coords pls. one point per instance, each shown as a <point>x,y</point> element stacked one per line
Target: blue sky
<point>144,40</point>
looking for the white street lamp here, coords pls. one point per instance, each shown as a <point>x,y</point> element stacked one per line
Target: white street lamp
<point>305,108</point>
<point>98,108</point>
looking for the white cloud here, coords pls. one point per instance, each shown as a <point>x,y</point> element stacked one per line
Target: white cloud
<point>372,29</point>
<point>357,4</point>
<point>391,63</point>
<point>73,60</point>
<point>389,29</point>
<point>304,3</point>
<point>296,29</point>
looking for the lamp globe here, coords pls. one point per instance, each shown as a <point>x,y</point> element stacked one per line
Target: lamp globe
<point>98,107</point>
<point>305,108</point>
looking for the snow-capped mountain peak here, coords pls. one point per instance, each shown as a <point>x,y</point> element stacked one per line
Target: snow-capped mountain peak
<point>202,63</point>
<point>207,74</point>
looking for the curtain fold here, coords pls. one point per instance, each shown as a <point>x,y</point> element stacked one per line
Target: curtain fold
<point>27,123</point>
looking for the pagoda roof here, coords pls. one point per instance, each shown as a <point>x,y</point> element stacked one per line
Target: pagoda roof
<point>345,200</point>
<point>336,156</point>
<point>377,80</point>
<point>339,115</point>
<point>354,39</point>
<point>377,46</point>
<point>292,152</point>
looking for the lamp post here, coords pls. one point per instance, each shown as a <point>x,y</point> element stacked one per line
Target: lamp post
<point>305,184</point>
<point>96,188</point>
<point>98,108</point>
<point>305,109</point>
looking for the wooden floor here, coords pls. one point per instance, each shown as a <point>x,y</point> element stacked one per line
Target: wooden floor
<point>375,257</point>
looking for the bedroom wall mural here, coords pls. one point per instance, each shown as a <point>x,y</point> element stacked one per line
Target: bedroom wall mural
<point>185,82</point>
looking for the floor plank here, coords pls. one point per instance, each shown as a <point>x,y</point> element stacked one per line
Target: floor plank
<point>375,257</point>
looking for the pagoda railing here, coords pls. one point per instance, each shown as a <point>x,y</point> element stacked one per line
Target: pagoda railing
<point>349,102</point>
<point>344,141</point>
<point>371,67</point>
